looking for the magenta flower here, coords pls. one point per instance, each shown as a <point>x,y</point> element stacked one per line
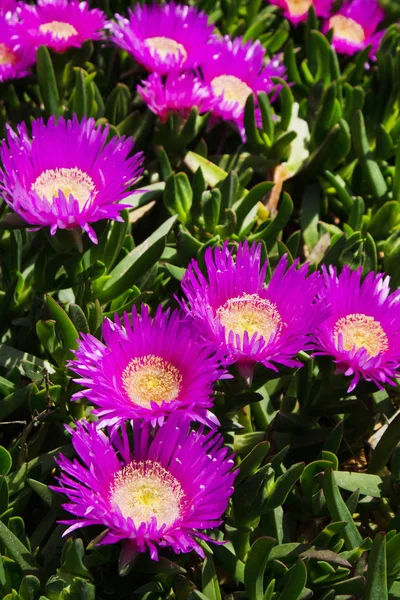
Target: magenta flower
<point>67,175</point>
<point>147,369</point>
<point>165,38</point>
<point>7,6</point>
<point>60,24</point>
<point>354,26</point>
<point>161,490</point>
<point>297,10</point>
<point>249,321</point>
<point>178,94</point>
<point>362,332</point>
<point>232,71</point>
<point>15,59</point>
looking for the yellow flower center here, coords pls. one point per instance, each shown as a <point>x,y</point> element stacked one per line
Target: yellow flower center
<point>58,29</point>
<point>347,29</point>
<point>231,88</point>
<point>165,46</point>
<point>7,56</point>
<point>71,182</point>
<point>151,378</point>
<point>299,7</point>
<point>143,490</point>
<point>361,331</point>
<point>252,314</point>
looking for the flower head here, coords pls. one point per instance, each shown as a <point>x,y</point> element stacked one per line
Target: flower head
<point>147,369</point>
<point>297,10</point>
<point>162,489</point>
<point>354,26</point>
<point>362,332</point>
<point>252,322</point>
<point>67,175</point>
<point>15,58</point>
<point>60,24</point>
<point>232,70</point>
<point>163,38</point>
<point>179,94</point>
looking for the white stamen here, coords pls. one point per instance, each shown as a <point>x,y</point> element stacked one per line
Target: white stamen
<point>299,7</point>
<point>58,29</point>
<point>151,378</point>
<point>7,56</point>
<point>232,88</point>
<point>143,490</point>
<point>252,314</point>
<point>165,46</point>
<point>347,29</point>
<point>361,331</point>
<point>71,182</point>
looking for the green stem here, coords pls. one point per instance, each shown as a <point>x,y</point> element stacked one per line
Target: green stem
<point>245,418</point>
<point>242,544</point>
<point>260,415</point>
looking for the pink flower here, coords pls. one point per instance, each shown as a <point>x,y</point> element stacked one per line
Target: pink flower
<point>7,6</point>
<point>362,332</point>
<point>67,175</point>
<point>232,70</point>
<point>354,26</point>
<point>167,38</point>
<point>249,321</point>
<point>141,372</point>
<point>59,24</point>
<point>15,57</point>
<point>178,94</point>
<point>148,488</point>
<point>297,10</point>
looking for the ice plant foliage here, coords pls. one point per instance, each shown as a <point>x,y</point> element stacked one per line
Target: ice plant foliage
<point>250,321</point>
<point>354,26</point>
<point>165,39</point>
<point>178,94</point>
<point>66,175</point>
<point>60,24</point>
<point>362,332</point>
<point>15,59</point>
<point>297,10</point>
<point>232,70</point>
<point>147,368</point>
<point>160,490</point>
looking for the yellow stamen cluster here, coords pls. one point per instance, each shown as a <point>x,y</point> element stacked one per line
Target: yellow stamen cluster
<point>72,182</point>
<point>347,29</point>
<point>232,88</point>
<point>252,314</point>
<point>7,56</point>
<point>58,29</point>
<point>299,7</point>
<point>143,490</point>
<point>165,46</point>
<point>361,331</point>
<point>151,378</point>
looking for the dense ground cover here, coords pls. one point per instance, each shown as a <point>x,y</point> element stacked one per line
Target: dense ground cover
<point>217,360</point>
